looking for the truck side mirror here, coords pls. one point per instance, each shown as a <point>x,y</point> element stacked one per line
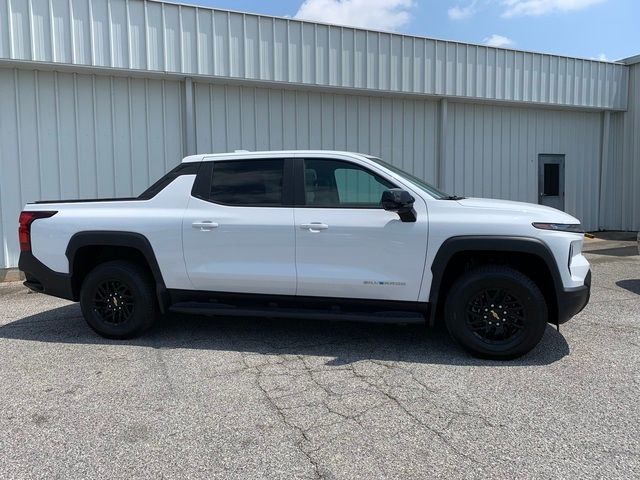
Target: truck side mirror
<point>399,201</point>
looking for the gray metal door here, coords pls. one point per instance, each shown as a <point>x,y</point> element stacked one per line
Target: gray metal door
<point>551,181</point>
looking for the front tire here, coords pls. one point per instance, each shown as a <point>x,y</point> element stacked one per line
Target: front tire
<point>496,312</point>
<point>118,300</point>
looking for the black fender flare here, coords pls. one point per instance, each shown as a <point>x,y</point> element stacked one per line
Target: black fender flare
<point>133,240</point>
<point>487,243</point>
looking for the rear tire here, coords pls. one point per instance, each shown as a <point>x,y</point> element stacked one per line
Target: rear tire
<point>496,312</point>
<point>118,300</point>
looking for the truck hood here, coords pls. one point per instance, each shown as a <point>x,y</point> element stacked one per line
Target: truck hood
<point>538,212</point>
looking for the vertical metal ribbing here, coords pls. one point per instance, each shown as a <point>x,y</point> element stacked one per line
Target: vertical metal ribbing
<point>95,125</point>
<point>213,42</point>
<point>164,126</point>
<point>31,33</point>
<point>211,129</point>
<point>273,50</point>
<point>164,39</point>
<point>58,152</point>
<point>113,135</point>
<point>131,156</point>
<point>38,131</point>
<point>244,50</point>
<point>442,144</point>
<point>269,119</point>
<point>288,61</point>
<point>10,25</point>
<point>16,92</point>
<point>603,167</point>
<point>73,37</point>
<point>146,126</point>
<point>240,116</point>
<point>52,33</point>
<point>189,116</point>
<point>198,67</point>
<point>180,45</point>
<point>91,33</point>
<point>147,50</point>
<point>75,131</point>
<point>129,46</point>
<point>259,52</point>
<point>110,30</point>
<point>226,118</point>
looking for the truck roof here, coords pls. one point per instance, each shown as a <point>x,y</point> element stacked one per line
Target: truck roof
<point>264,153</point>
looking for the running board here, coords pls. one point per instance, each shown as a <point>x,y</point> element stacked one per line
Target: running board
<point>223,310</point>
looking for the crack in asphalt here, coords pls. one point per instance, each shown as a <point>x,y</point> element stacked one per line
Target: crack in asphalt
<point>377,385</point>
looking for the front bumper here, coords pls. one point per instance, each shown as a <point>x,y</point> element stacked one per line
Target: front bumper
<point>41,278</point>
<point>571,301</point>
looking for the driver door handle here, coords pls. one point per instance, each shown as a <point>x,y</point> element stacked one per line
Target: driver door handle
<point>314,226</point>
<point>205,226</point>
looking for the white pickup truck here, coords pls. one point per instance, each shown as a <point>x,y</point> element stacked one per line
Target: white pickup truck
<point>312,234</point>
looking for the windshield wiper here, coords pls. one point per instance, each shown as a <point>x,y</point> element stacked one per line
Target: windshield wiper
<point>453,197</point>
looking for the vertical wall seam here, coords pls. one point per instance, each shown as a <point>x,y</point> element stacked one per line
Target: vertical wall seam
<point>113,136</point>
<point>95,131</point>
<point>92,33</point>
<point>10,28</point>
<point>57,126</point>
<point>31,32</point>
<point>74,55</point>
<point>130,134</point>
<point>164,126</point>
<point>38,135</point>
<point>76,133</point>
<point>146,125</point>
<point>16,87</point>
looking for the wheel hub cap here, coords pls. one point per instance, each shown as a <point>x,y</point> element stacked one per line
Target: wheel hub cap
<point>113,302</point>
<point>495,315</point>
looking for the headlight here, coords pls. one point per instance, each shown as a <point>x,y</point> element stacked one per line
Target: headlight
<point>560,227</point>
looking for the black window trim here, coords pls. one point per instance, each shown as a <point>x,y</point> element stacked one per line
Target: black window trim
<point>202,188</point>
<point>300,199</point>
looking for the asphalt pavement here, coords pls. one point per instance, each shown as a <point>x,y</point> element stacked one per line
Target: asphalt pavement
<point>248,398</point>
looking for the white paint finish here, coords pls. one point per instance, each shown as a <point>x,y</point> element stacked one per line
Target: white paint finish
<point>252,250</point>
<point>158,219</point>
<point>363,253</point>
<point>164,37</point>
<point>493,152</point>
<point>68,135</point>
<point>480,216</point>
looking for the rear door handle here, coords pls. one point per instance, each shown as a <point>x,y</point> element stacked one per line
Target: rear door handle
<point>314,226</point>
<point>205,226</point>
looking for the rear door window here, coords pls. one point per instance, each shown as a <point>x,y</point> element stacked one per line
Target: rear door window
<point>242,183</point>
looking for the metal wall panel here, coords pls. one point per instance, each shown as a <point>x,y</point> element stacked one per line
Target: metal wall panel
<point>493,152</point>
<point>621,177</point>
<point>402,131</point>
<point>65,135</point>
<point>165,37</point>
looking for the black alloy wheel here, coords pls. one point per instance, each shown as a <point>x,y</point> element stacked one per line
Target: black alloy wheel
<point>113,302</point>
<point>118,299</point>
<point>496,312</point>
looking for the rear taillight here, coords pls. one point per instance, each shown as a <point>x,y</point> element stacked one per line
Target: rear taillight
<point>24,230</point>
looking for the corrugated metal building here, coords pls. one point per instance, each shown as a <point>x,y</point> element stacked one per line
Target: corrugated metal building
<point>100,97</point>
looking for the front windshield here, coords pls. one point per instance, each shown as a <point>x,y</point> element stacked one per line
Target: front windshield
<point>430,189</point>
